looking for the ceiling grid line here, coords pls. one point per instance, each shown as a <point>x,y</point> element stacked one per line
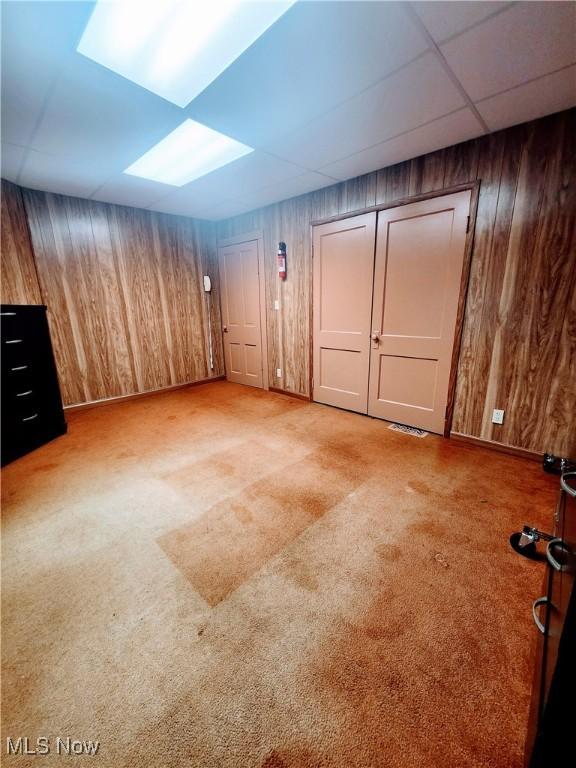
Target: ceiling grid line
<point>395,136</point>
<point>527,82</point>
<point>440,56</point>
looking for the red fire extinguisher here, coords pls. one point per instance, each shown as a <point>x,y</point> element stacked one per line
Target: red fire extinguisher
<point>282,261</point>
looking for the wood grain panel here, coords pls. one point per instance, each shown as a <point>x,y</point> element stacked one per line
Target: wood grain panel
<point>481,314</point>
<point>461,163</point>
<point>128,314</point>
<point>19,280</point>
<point>123,286</point>
<point>433,169</point>
<point>518,349</point>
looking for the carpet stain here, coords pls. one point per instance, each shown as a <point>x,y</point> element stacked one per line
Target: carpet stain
<point>301,572</point>
<point>126,455</point>
<point>431,527</point>
<point>390,552</point>
<point>288,758</point>
<point>46,467</point>
<point>420,487</point>
<point>242,513</point>
<point>235,539</point>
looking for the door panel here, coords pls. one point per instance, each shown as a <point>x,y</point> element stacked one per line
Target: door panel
<point>417,278</point>
<point>343,273</point>
<point>241,313</point>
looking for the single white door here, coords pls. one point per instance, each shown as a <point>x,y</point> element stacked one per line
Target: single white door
<point>242,333</point>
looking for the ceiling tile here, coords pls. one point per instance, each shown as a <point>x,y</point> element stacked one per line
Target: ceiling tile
<point>248,174</point>
<point>223,211</point>
<point>38,41</point>
<point>527,41</point>
<point>12,159</point>
<point>94,114</point>
<point>316,56</point>
<point>452,129</point>
<point>551,93</point>
<point>417,94</point>
<point>307,182</point>
<point>53,173</point>
<point>130,190</point>
<point>446,19</point>
<point>248,201</point>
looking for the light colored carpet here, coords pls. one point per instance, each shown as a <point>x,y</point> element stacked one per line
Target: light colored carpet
<point>226,577</point>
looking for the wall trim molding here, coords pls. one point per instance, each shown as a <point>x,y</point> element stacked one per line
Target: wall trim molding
<point>493,445</point>
<point>297,395</point>
<point>256,234</point>
<point>473,185</point>
<point>138,395</point>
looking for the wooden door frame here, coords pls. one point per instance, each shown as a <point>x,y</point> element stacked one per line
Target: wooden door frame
<point>474,187</point>
<point>250,237</point>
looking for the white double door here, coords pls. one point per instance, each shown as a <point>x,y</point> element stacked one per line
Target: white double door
<point>385,303</point>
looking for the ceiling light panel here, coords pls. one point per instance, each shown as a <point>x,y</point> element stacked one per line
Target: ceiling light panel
<point>189,152</point>
<point>175,48</point>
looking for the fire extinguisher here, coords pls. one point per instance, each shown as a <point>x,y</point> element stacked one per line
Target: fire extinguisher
<point>282,261</point>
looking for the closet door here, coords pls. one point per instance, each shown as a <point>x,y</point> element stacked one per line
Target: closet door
<point>417,279</point>
<point>343,272</point>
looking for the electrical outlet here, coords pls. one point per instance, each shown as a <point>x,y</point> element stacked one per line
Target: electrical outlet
<point>278,373</point>
<point>497,416</point>
<point>276,305</point>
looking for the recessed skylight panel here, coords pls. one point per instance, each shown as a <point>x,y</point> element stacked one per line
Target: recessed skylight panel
<point>192,150</point>
<point>175,48</point>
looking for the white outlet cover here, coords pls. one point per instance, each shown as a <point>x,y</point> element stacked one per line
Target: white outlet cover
<point>497,416</point>
<point>276,304</point>
<point>278,373</point>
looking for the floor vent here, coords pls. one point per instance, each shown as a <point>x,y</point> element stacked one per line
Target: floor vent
<point>414,431</point>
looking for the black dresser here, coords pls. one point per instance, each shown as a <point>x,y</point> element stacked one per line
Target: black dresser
<point>551,741</point>
<point>32,411</point>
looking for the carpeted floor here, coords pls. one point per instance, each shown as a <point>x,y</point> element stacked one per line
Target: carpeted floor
<point>224,577</point>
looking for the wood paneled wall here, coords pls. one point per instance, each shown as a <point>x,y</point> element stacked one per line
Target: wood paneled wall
<point>19,279</point>
<point>123,287</point>
<point>518,347</point>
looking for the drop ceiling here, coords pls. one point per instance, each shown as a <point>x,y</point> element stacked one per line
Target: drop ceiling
<point>330,91</point>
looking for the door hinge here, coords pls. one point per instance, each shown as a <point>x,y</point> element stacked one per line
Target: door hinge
<point>467,224</point>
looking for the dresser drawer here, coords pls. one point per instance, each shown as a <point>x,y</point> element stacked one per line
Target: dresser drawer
<point>19,322</point>
<point>19,404</point>
<point>26,384</point>
<point>31,404</point>
<point>19,350</point>
<point>18,376</point>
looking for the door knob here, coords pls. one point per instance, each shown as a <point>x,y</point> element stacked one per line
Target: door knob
<point>375,337</point>
<point>225,329</point>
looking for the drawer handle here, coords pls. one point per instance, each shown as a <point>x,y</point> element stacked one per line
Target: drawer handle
<point>13,341</point>
<point>23,394</point>
<point>29,418</point>
<point>535,606</point>
<point>8,314</point>
<point>19,368</point>
<point>550,557</point>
